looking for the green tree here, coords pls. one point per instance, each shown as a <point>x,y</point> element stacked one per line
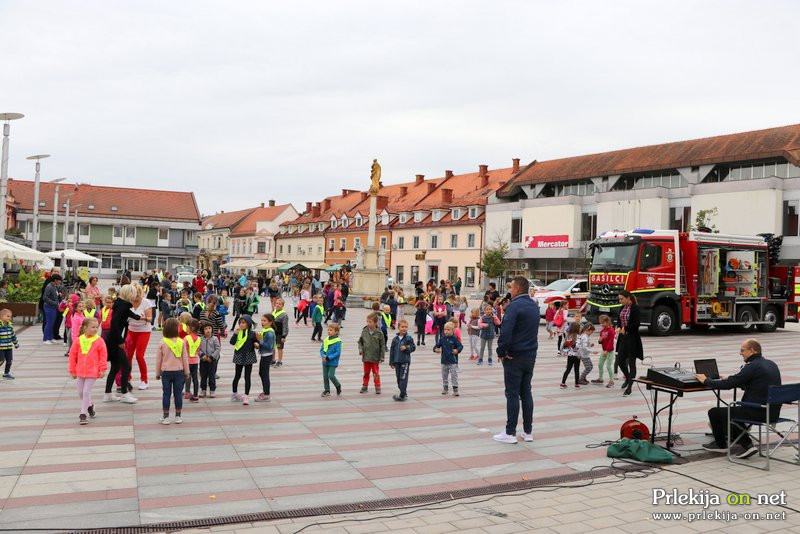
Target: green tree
<point>493,261</point>
<point>703,219</point>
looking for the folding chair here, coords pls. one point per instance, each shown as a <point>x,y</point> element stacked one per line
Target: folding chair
<point>787,394</point>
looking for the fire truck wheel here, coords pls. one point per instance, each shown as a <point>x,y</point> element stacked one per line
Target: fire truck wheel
<point>663,322</point>
<point>771,316</point>
<point>747,315</point>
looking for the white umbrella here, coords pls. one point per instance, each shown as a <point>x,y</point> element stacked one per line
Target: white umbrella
<point>14,251</point>
<point>72,255</point>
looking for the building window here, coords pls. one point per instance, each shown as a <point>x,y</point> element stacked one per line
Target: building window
<point>791,208</point>
<point>403,218</point>
<point>383,243</point>
<point>399,275</point>
<point>280,249</point>
<point>356,243</point>
<point>588,226</point>
<point>516,230</point>
<point>417,217</point>
<point>452,273</point>
<point>130,232</point>
<point>415,242</point>
<point>401,243</point>
<point>667,179</point>
<point>469,276</point>
<point>331,244</point>
<point>470,240</point>
<point>319,250</point>
<point>191,236</point>
<point>118,232</point>
<point>310,250</point>
<point>434,241</point>
<point>261,247</point>
<point>456,213</point>
<point>581,188</point>
<point>163,234</point>
<point>453,240</point>
<point>473,212</point>
<point>83,230</point>
<point>344,221</point>
<point>680,218</point>
<point>358,220</point>
<point>414,274</point>
<point>342,243</point>
<point>333,223</point>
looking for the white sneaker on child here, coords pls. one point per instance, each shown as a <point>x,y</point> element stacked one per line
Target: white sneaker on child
<point>502,437</point>
<point>527,437</point>
<point>143,385</point>
<point>128,398</point>
<point>178,419</point>
<point>164,420</point>
<point>110,397</point>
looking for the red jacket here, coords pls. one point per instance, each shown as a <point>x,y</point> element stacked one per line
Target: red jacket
<point>91,364</point>
<point>199,285</point>
<point>607,338</point>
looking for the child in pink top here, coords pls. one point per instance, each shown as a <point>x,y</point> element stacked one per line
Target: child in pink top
<point>172,368</point>
<point>88,361</point>
<point>192,341</point>
<point>76,321</point>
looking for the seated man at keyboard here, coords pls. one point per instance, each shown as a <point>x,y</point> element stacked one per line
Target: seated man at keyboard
<point>754,378</point>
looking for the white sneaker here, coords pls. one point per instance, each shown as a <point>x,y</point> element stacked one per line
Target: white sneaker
<point>164,420</point>
<point>47,343</point>
<point>143,385</point>
<point>245,400</point>
<point>502,437</point>
<point>128,398</point>
<point>110,397</point>
<point>527,437</point>
<point>178,419</point>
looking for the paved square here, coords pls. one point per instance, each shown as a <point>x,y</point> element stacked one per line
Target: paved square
<point>303,451</point>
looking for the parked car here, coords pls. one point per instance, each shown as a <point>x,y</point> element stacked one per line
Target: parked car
<point>574,290</point>
<point>184,273</point>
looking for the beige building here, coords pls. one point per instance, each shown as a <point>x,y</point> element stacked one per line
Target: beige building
<point>253,237</point>
<point>551,210</point>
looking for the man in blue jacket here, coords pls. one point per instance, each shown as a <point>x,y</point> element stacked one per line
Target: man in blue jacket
<point>516,348</point>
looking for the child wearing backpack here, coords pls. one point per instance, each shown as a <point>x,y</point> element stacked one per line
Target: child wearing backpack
<point>560,323</point>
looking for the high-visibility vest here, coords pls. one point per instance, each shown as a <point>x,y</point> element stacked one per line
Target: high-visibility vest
<point>328,342</point>
<point>242,337</point>
<point>175,346</point>
<point>193,345</point>
<point>86,343</point>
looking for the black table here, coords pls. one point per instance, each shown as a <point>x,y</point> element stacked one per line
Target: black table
<point>674,393</point>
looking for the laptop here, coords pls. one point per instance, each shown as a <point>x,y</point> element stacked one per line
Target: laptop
<point>707,367</point>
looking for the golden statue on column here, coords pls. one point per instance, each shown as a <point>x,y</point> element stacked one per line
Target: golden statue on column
<point>375,176</point>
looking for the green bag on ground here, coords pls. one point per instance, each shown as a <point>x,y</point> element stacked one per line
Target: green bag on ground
<point>639,449</point>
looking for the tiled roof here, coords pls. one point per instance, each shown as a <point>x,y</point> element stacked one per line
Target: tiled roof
<point>130,202</point>
<point>467,189</point>
<point>248,224</point>
<point>447,220</point>
<point>783,141</point>
<point>226,219</point>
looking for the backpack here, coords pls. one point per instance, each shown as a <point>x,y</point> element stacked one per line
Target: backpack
<point>559,319</point>
<point>568,348</point>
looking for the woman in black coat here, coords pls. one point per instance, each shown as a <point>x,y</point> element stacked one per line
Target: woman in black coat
<point>629,342</point>
<point>121,310</point>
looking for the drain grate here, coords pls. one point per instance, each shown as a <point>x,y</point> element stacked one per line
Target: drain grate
<point>370,506</point>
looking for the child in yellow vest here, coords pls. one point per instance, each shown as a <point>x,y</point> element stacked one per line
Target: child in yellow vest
<point>88,361</point>
<point>172,368</point>
<point>192,341</point>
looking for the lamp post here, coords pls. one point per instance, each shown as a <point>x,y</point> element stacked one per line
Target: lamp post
<point>55,212</point>
<point>66,221</point>
<point>75,235</point>
<point>7,118</point>
<point>38,158</point>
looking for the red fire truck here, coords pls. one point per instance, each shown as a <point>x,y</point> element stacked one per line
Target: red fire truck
<point>699,279</point>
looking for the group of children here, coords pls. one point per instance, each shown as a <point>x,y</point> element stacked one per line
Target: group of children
<point>576,345</point>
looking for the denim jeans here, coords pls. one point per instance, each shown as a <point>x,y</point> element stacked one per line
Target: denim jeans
<point>517,375</point>
<point>49,323</point>
<point>172,385</point>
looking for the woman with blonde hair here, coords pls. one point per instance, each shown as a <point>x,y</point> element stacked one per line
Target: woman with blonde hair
<point>139,331</point>
<point>121,311</point>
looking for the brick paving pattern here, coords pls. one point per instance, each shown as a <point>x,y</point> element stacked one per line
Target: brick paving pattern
<point>303,451</point>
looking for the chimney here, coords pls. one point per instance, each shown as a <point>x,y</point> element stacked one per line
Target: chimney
<point>345,192</point>
<point>403,190</point>
<point>382,203</point>
<point>420,178</point>
<point>447,196</point>
<point>448,174</point>
<point>515,165</point>
<point>326,204</point>
<point>483,172</point>
<point>364,196</point>
<point>222,211</point>
<point>272,203</point>
<point>315,211</point>
<point>431,187</point>
<point>308,207</point>
<point>262,204</point>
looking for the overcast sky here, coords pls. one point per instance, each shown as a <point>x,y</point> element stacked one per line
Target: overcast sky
<point>243,101</point>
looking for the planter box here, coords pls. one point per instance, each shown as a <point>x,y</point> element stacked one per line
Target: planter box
<point>28,311</point>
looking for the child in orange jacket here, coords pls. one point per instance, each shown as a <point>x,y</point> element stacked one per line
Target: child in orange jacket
<point>88,361</point>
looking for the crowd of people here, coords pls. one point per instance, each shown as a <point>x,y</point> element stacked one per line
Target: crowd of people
<point>103,333</point>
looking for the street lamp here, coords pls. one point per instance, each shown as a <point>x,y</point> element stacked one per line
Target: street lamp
<point>55,212</point>
<point>38,157</point>
<point>7,117</point>
<point>75,235</point>
<point>66,220</point>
